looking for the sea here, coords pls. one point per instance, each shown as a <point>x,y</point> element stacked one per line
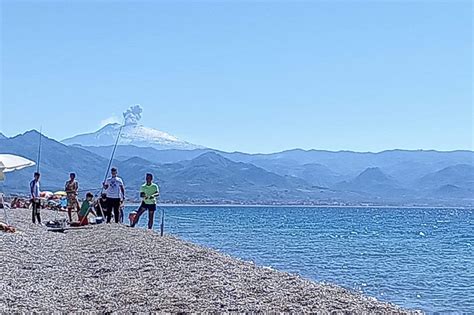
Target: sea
<point>418,258</point>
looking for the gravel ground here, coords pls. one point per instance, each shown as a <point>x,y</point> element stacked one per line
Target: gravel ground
<point>114,268</point>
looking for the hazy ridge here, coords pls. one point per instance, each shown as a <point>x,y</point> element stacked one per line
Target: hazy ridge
<point>294,176</point>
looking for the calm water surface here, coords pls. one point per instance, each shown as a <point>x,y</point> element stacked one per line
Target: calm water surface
<point>417,258</point>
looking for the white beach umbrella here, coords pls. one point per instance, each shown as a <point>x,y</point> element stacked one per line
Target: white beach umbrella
<point>10,163</point>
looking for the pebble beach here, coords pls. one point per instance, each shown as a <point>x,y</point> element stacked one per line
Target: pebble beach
<point>115,268</point>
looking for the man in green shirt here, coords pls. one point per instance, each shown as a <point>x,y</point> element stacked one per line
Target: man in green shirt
<point>148,192</point>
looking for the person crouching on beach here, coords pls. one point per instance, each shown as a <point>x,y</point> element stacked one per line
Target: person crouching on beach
<point>101,206</point>
<point>71,187</point>
<point>148,192</point>
<point>115,191</point>
<point>35,198</point>
<point>86,208</point>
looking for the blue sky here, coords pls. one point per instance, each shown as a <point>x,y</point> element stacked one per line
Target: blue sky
<point>248,76</point>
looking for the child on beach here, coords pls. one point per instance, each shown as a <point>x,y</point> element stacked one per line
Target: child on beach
<point>101,205</point>
<point>86,208</point>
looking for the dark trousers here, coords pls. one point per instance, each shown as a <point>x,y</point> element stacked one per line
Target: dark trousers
<point>35,212</point>
<point>113,204</point>
<point>151,214</point>
<point>101,208</point>
<point>99,211</point>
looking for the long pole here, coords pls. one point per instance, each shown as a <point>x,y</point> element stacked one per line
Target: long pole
<point>162,227</point>
<point>4,209</point>
<point>38,159</point>
<point>39,151</point>
<point>112,156</point>
<point>110,163</point>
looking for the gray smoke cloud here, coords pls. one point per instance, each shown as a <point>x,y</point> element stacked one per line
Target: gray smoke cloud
<point>133,115</point>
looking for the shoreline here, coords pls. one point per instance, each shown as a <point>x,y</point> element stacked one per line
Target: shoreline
<point>139,271</point>
<point>263,205</point>
<point>300,206</point>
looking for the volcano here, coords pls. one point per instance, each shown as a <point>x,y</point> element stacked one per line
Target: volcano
<point>132,133</point>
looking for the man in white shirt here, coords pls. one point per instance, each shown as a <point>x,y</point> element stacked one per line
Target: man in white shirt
<point>115,191</point>
<point>35,198</point>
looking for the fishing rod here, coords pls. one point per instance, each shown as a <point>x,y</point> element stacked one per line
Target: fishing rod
<point>90,189</point>
<point>110,163</point>
<point>162,226</point>
<point>38,158</point>
<point>112,155</point>
<point>39,150</point>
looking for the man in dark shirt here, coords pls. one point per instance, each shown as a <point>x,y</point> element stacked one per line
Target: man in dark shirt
<point>101,205</point>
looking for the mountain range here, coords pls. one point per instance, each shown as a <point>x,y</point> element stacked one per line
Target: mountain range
<point>207,178</point>
<point>193,174</point>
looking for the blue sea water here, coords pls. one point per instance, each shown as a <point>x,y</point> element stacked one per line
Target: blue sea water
<point>414,257</point>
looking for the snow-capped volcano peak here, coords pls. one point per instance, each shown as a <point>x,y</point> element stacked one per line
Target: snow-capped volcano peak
<point>132,133</point>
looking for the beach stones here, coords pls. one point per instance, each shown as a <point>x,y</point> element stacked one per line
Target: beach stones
<point>112,268</point>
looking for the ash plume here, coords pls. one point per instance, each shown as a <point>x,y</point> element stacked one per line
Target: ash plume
<point>133,115</point>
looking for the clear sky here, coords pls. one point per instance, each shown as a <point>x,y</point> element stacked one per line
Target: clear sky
<point>242,75</point>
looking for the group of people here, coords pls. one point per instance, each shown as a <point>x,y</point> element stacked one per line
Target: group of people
<point>18,202</point>
<point>109,204</point>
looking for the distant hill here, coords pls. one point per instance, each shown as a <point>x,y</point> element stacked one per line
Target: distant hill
<point>314,173</point>
<point>352,163</point>
<point>125,152</point>
<point>56,162</point>
<point>213,177</point>
<point>460,175</point>
<point>373,182</point>
<point>453,192</point>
